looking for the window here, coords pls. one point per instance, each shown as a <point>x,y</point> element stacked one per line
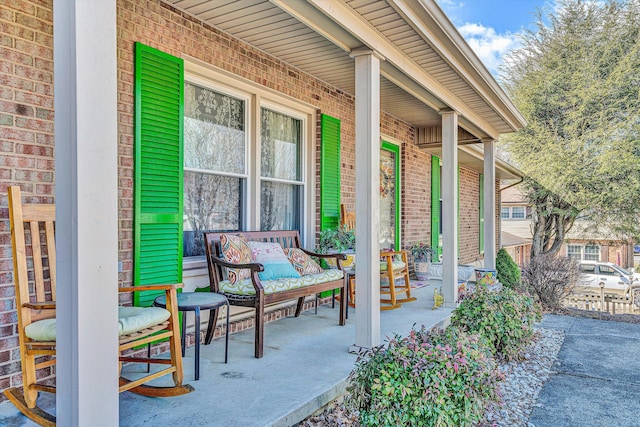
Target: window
<point>517,212</point>
<point>281,185</point>
<point>514,212</point>
<point>220,173</point>
<point>592,253</point>
<point>574,252</point>
<point>215,143</point>
<point>580,252</point>
<point>389,196</point>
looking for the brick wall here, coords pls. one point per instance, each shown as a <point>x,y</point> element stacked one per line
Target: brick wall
<point>26,144</point>
<point>26,132</point>
<point>469,227</point>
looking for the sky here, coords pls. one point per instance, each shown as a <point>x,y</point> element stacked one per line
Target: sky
<point>491,27</point>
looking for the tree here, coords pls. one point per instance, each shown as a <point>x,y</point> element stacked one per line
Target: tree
<point>576,81</point>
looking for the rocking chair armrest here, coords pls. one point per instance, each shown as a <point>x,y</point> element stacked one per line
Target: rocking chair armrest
<point>389,252</point>
<point>254,266</point>
<point>150,287</point>
<point>44,305</point>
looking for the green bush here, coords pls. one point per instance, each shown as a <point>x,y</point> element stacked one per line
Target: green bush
<point>425,379</point>
<point>505,318</point>
<point>508,271</point>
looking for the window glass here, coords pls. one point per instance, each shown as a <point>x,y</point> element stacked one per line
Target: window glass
<point>587,268</point>
<point>214,131</point>
<point>280,146</point>
<point>517,212</point>
<point>280,206</point>
<point>214,165</point>
<point>606,270</point>
<point>574,252</point>
<point>281,186</point>
<point>504,213</point>
<point>592,253</point>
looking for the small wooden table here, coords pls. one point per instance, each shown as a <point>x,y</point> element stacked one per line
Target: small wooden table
<point>196,301</point>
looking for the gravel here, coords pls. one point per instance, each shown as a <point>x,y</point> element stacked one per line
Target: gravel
<point>523,382</point>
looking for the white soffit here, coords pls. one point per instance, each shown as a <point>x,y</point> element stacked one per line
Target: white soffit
<point>316,37</point>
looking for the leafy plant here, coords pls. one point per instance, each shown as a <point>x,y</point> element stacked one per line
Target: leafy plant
<point>550,279</point>
<point>505,318</point>
<point>421,251</point>
<point>337,239</point>
<point>508,270</point>
<point>443,378</point>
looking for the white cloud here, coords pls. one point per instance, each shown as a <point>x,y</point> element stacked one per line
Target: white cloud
<point>489,45</point>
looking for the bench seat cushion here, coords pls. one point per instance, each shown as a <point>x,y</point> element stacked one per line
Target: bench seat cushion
<point>245,287</point>
<point>130,319</point>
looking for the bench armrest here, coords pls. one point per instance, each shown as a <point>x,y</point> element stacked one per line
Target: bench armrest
<point>254,266</point>
<point>337,256</point>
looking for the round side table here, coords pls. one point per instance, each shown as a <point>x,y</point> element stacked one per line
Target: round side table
<point>196,301</point>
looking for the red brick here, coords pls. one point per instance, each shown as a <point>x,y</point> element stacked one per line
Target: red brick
<point>16,135</point>
<point>35,74</point>
<point>36,24</point>
<point>16,31</point>
<point>34,150</point>
<point>34,124</point>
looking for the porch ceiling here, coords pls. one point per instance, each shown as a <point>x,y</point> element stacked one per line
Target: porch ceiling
<point>428,67</point>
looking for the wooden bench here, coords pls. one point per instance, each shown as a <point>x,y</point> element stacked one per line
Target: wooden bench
<point>260,298</point>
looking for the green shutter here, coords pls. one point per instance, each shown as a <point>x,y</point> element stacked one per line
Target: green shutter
<point>329,172</point>
<point>481,215</point>
<point>159,107</point>
<point>435,205</point>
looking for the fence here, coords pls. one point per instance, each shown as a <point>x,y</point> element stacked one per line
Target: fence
<point>601,301</point>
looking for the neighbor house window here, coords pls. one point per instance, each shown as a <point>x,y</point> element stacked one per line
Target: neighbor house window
<point>219,171</point>
<point>592,253</point>
<point>517,212</point>
<point>514,212</point>
<point>583,252</point>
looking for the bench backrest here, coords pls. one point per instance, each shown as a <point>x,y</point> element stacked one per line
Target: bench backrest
<point>286,238</point>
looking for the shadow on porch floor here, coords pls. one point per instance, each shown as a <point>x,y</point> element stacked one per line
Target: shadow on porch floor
<point>305,365</point>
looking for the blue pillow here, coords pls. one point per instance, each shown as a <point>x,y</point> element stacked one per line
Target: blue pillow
<point>275,262</point>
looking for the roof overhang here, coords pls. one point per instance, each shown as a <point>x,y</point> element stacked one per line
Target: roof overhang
<point>427,66</point>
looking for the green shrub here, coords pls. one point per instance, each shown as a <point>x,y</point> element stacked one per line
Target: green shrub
<point>508,271</point>
<point>505,318</point>
<point>425,379</point>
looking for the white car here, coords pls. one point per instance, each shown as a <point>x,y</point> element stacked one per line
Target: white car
<point>612,277</point>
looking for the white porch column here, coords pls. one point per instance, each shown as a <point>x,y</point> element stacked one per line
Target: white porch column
<point>489,204</point>
<point>86,194</point>
<point>450,207</point>
<point>367,198</point>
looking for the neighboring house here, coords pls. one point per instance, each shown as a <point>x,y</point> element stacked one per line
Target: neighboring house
<point>256,115</point>
<point>580,242</point>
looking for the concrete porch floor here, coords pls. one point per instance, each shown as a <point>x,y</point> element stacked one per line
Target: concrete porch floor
<point>305,365</point>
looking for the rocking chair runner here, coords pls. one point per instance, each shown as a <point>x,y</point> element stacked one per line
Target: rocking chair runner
<point>393,265</point>
<point>36,314</point>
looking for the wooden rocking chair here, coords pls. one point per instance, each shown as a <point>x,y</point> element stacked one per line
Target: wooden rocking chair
<point>393,266</point>
<point>36,314</point>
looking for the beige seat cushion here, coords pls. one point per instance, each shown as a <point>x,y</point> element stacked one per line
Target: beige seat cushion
<point>130,319</point>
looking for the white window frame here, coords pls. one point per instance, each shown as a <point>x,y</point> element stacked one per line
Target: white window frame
<point>581,252</point>
<point>513,212</point>
<point>259,96</point>
<point>508,210</point>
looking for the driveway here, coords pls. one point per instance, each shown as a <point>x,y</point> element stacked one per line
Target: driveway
<point>597,376</point>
